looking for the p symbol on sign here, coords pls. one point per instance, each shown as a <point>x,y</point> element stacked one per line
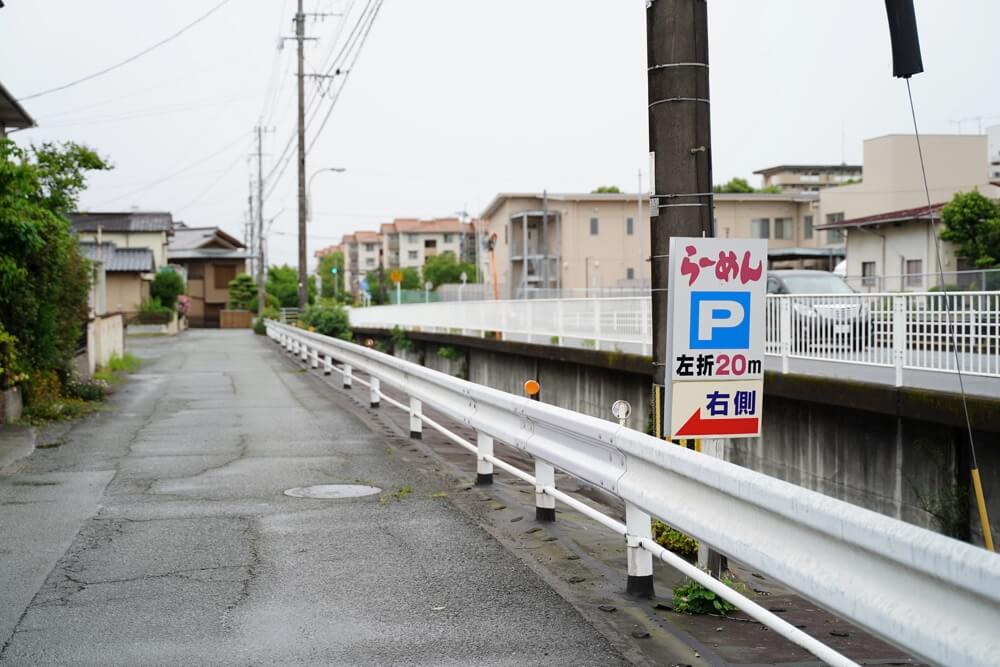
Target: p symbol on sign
<point>720,320</point>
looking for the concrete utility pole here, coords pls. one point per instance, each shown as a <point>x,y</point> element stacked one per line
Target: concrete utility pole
<point>261,298</point>
<point>300,38</point>
<point>680,146</point>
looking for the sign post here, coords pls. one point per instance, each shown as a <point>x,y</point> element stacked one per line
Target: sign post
<point>397,277</point>
<point>715,338</point>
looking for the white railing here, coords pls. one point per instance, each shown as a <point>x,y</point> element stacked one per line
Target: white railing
<point>901,331</point>
<point>933,596</point>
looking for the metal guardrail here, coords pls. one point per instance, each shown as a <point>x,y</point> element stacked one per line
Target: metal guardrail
<point>931,595</point>
<point>901,331</point>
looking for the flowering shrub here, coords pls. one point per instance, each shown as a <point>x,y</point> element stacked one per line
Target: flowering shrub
<point>183,305</point>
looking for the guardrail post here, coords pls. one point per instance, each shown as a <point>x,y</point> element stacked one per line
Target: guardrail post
<point>373,397</point>
<point>416,423</point>
<point>640,562</point>
<point>484,468</point>
<point>305,353</point>
<point>899,336</point>
<point>327,364</point>
<point>560,325</point>
<point>289,344</point>
<point>347,376</point>
<point>785,331</point>
<point>545,505</point>
<point>315,358</point>
<point>597,324</point>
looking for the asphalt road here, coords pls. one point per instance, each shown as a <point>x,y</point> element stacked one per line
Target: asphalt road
<point>157,532</point>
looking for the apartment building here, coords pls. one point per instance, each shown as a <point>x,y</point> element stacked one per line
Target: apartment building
<point>408,242</point>
<point>888,230</point>
<point>599,241</point>
<point>809,177</point>
<point>993,138</point>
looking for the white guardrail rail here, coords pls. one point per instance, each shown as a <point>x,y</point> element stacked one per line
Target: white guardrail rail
<point>930,595</point>
<point>905,331</point>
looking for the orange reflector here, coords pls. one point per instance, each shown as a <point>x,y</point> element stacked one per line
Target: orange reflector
<point>531,387</point>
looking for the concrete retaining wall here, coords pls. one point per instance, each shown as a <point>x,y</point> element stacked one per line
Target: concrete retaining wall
<point>105,338</point>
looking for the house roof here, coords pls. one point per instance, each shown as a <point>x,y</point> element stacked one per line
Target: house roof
<point>190,238</point>
<point>119,260</point>
<point>435,226</point>
<point>904,215</point>
<point>12,114</point>
<point>329,250</point>
<point>501,197</point>
<point>367,237</point>
<point>387,228</point>
<point>836,168</point>
<point>208,253</point>
<point>124,222</point>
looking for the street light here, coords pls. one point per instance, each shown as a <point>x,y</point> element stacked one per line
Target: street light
<point>337,170</point>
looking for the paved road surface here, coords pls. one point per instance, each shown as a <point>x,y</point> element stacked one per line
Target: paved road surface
<point>158,533</point>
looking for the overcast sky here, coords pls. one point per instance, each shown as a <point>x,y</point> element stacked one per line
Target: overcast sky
<point>452,101</point>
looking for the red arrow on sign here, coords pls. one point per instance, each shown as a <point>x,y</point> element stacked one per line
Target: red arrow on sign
<point>698,426</point>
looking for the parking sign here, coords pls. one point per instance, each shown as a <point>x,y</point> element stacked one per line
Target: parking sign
<point>715,338</point>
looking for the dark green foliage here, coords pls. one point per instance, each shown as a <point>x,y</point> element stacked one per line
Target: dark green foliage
<point>675,541</point>
<point>693,598</point>
<point>742,186</point>
<point>153,312</point>
<point>44,281</point>
<point>399,339</point>
<point>330,284</point>
<point>167,286</point>
<point>327,318</point>
<point>445,268</point>
<point>607,190</point>
<point>242,292</point>
<point>972,222</point>
<point>283,284</point>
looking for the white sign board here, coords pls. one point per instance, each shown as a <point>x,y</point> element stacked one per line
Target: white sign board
<point>715,338</point>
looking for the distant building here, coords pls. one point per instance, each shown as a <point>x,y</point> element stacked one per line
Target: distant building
<point>209,258</point>
<point>131,229</point>
<point>122,277</point>
<point>993,138</point>
<point>809,177</point>
<point>12,114</point>
<point>890,237</point>
<point>408,243</point>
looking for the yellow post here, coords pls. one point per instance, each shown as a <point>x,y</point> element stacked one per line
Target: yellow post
<point>984,519</point>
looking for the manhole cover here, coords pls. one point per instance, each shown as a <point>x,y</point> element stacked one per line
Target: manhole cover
<point>333,491</point>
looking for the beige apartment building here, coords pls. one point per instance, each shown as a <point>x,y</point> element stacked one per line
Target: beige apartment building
<point>890,237</point>
<point>600,241</point>
<point>809,177</point>
<point>408,242</point>
<point>361,255</point>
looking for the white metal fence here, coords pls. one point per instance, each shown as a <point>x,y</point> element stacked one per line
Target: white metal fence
<point>931,595</point>
<point>901,331</point>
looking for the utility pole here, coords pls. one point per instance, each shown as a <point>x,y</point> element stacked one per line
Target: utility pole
<point>680,146</point>
<point>261,298</point>
<point>300,38</point>
<point>642,243</point>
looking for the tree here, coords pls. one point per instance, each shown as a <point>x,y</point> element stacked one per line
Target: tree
<point>330,283</point>
<point>167,286</point>
<point>411,279</point>
<point>735,185</point>
<point>283,284</point>
<point>327,318</point>
<point>972,222</point>
<point>44,281</point>
<point>445,268</point>
<point>242,292</point>
<point>607,190</point>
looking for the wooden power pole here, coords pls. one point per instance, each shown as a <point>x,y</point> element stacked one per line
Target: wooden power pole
<point>300,38</point>
<point>259,248</point>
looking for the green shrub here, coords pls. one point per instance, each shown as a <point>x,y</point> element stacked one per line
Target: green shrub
<point>399,339</point>
<point>166,287</point>
<point>242,291</point>
<point>87,390</point>
<point>152,311</point>
<point>447,352</point>
<point>675,541</point>
<point>327,318</point>
<point>259,327</point>
<point>128,363</point>
<point>693,598</point>
<point>10,370</point>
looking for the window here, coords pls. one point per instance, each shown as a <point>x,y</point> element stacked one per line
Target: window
<point>629,226</point>
<point>447,238</point>
<point>868,274</point>
<point>783,228</point>
<point>430,243</point>
<point>835,236</point>
<point>370,262</point>
<point>411,238</point>
<point>630,274</point>
<point>594,226</point>
<point>760,228</point>
<point>369,247</point>
<point>914,272</point>
<point>807,227</point>
<point>223,274</point>
<point>412,254</point>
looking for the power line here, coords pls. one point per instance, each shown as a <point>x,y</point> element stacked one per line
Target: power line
<point>131,58</point>
<point>225,172</point>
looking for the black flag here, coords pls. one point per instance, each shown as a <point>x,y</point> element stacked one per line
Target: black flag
<point>906,60</point>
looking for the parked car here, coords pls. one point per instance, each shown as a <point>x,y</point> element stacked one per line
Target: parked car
<point>827,311</point>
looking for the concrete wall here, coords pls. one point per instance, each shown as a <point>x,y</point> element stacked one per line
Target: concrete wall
<point>105,338</point>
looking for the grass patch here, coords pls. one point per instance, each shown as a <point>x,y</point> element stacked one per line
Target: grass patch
<point>128,363</point>
<point>398,495</point>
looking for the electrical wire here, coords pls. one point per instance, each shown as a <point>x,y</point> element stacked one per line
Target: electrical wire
<point>131,58</point>
<point>951,332</point>
<point>225,172</point>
